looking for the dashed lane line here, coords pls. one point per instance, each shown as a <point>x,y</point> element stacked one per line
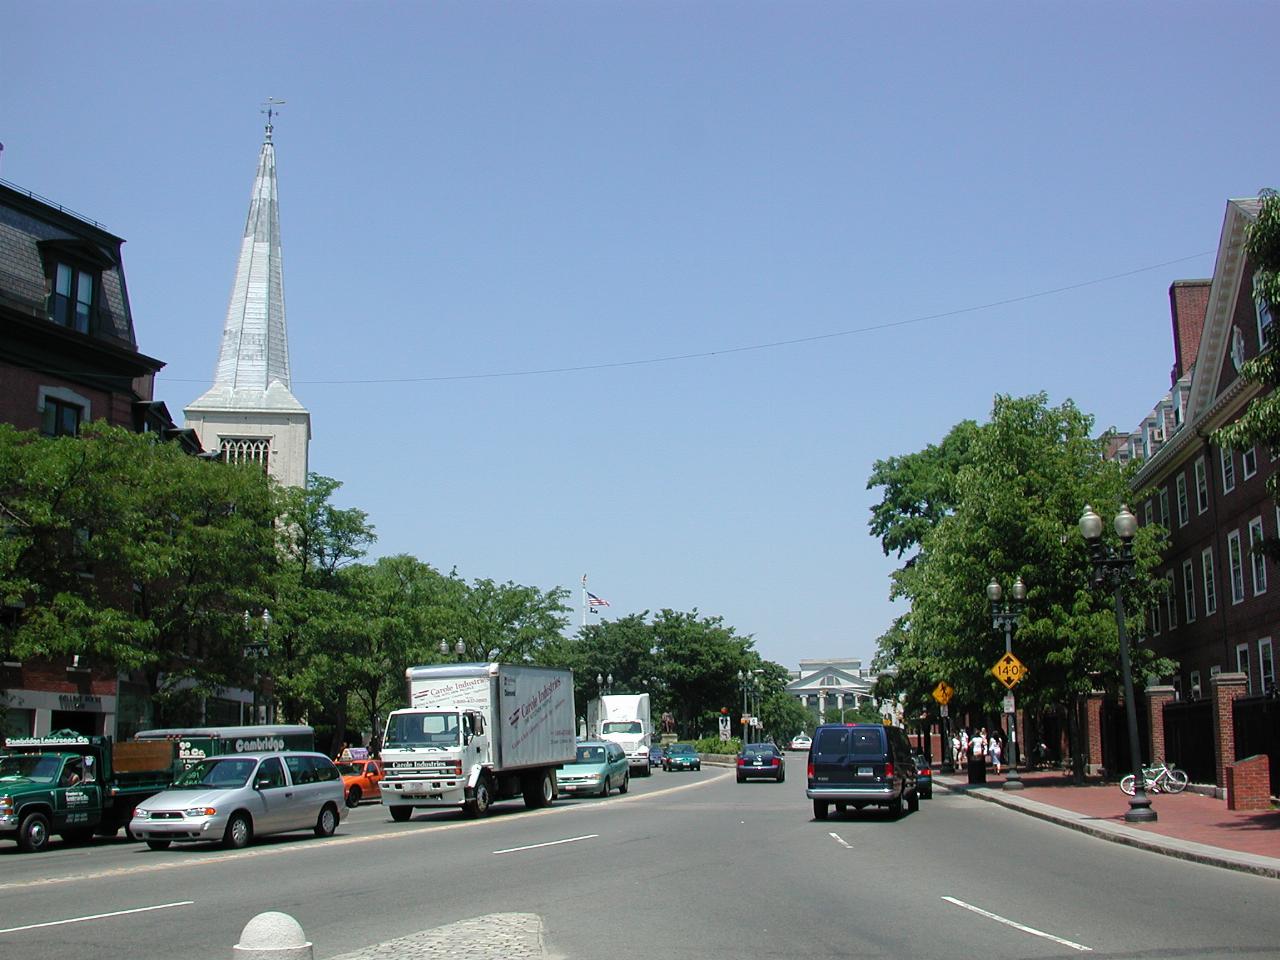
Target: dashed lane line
<point>99,916</point>
<point>1018,926</point>
<point>549,843</point>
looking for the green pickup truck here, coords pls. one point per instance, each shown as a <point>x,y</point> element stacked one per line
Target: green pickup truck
<point>76,786</point>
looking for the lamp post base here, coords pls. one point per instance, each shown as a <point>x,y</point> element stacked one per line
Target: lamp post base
<point>1140,809</point>
<point>1013,780</point>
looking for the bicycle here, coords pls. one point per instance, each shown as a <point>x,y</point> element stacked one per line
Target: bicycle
<point>1165,778</point>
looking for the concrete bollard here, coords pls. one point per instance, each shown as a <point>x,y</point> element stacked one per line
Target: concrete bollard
<point>272,936</point>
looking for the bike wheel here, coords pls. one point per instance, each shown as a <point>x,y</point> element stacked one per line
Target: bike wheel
<point>1176,782</point>
<point>1126,784</point>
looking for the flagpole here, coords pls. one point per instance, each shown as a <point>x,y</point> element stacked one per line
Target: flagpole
<point>584,599</point>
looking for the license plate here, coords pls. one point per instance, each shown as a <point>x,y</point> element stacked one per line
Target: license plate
<point>864,771</point>
<point>758,763</point>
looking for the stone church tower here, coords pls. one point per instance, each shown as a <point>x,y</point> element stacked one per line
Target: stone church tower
<point>250,413</point>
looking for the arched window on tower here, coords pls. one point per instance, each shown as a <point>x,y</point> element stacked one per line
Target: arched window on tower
<point>247,450</point>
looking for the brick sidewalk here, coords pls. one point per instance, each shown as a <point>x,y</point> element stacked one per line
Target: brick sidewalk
<point>1188,825</point>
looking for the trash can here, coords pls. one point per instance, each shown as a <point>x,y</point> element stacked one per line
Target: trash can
<point>977,770</point>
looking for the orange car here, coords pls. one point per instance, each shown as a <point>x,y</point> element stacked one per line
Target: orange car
<point>360,780</point>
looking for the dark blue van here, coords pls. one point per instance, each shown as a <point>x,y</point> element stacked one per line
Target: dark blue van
<point>859,765</point>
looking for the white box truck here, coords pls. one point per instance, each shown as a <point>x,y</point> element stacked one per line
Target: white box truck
<point>625,719</point>
<point>475,733</point>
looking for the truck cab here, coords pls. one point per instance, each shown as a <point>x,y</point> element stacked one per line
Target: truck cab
<point>432,757</point>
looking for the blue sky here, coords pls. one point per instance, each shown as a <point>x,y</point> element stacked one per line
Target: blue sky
<point>474,194</point>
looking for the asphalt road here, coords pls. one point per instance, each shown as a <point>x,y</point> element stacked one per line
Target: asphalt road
<point>686,865</point>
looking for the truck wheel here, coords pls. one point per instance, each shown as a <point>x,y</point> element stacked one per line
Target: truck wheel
<point>539,789</point>
<point>478,805</point>
<point>820,808</point>
<point>159,844</point>
<point>33,835</point>
<point>327,822</point>
<point>401,814</point>
<point>353,797</point>
<point>238,833</point>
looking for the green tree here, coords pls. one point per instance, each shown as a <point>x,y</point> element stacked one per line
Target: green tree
<point>124,549</point>
<point>1031,469</point>
<point>700,659</point>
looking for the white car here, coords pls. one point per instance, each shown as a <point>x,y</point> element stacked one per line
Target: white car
<point>800,742</point>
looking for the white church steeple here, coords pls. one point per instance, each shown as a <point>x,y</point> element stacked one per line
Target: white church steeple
<point>250,412</point>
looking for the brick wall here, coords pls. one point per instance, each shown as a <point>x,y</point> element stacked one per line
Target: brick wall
<point>1225,689</point>
<point>1093,734</point>
<point>1249,783</point>
<point>1157,697</point>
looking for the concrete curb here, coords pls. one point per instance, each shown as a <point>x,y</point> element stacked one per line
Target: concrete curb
<point>1117,833</point>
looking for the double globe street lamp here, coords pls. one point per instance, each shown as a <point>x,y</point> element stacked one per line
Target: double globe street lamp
<point>459,648</point>
<point>1006,615</point>
<point>1115,569</point>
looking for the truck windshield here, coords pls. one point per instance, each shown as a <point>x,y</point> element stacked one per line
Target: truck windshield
<point>422,730</point>
<point>225,774</point>
<point>621,726</point>
<point>40,769</point>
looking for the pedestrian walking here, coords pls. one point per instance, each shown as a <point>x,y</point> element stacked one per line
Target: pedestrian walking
<point>996,751</point>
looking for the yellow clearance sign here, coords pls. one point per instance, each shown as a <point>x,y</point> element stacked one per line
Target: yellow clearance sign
<point>942,692</point>
<point>1009,670</point>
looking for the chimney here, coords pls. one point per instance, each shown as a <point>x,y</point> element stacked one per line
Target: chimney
<point>1188,304</point>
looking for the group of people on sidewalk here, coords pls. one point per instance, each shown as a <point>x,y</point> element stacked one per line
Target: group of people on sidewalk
<point>978,746</point>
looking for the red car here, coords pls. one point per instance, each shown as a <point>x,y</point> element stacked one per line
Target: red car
<point>360,780</point>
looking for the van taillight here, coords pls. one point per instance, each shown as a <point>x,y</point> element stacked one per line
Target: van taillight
<point>888,769</point>
<point>810,769</point>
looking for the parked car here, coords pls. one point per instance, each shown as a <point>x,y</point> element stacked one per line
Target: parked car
<point>859,765</point>
<point>681,756</point>
<point>360,780</point>
<point>655,756</point>
<point>231,799</point>
<point>800,741</point>
<point>597,768</point>
<point>924,777</point>
<point>761,760</point>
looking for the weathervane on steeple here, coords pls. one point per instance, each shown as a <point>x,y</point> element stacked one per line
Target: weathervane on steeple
<point>271,103</point>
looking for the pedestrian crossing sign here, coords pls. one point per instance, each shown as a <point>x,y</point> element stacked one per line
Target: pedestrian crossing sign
<point>942,692</point>
<point>1009,670</point>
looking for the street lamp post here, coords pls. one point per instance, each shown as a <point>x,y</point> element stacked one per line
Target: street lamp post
<point>1006,614</point>
<point>255,650</point>
<point>459,648</point>
<point>604,684</point>
<point>1114,569</point>
<point>744,684</point>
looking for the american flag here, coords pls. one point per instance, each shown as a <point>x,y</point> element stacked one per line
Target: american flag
<point>594,601</point>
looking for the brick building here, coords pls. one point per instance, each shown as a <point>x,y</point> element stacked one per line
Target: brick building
<point>68,355</point>
<point>1220,617</point>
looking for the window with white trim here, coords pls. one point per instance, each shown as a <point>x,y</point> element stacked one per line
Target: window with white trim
<point>71,298</point>
<point>1256,558</point>
<point>1249,462</point>
<point>1164,507</point>
<point>1153,618</point>
<point>1184,508</point>
<point>1263,310</point>
<point>1206,573</point>
<point>247,450</point>
<point>1202,486</point>
<point>1235,565</point>
<point>1266,665</point>
<point>1148,514</point>
<point>1188,591</point>
<point>1228,470</point>
<point>1196,691</point>
<point>1171,600</point>
<point>1242,663</point>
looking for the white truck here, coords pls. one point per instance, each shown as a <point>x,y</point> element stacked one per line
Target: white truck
<point>625,719</point>
<point>475,733</point>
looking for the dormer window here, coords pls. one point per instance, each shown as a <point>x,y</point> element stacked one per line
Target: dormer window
<point>1263,310</point>
<point>71,302</point>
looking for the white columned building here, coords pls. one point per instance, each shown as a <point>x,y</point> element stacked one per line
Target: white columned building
<point>829,686</point>
<point>250,412</point>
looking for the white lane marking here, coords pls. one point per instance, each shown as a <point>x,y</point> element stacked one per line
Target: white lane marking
<point>549,843</point>
<point>1018,926</point>
<point>99,916</point>
<point>840,840</point>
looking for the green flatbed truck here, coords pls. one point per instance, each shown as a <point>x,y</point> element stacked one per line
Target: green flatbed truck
<point>74,786</point>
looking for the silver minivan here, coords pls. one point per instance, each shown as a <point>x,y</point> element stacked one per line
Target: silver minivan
<point>231,799</point>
